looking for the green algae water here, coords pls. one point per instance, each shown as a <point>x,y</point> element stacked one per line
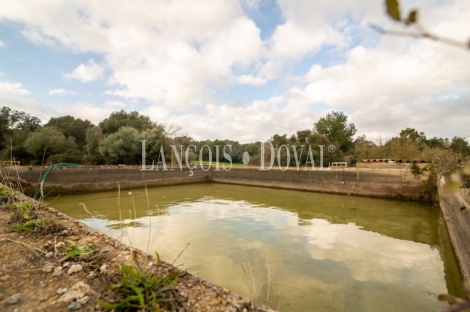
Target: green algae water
<point>298,251</point>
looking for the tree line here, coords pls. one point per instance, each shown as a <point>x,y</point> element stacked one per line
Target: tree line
<point>116,140</point>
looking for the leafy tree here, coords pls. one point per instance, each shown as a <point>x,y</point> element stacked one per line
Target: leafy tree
<point>48,141</point>
<point>436,143</point>
<point>412,134</point>
<point>335,127</point>
<point>121,119</point>
<point>317,139</point>
<point>123,146</point>
<point>460,145</point>
<point>278,140</point>
<point>93,137</point>
<point>156,139</point>
<point>71,127</point>
<point>303,135</point>
<point>11,120</point>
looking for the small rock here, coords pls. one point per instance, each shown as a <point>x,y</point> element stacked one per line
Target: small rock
<point>75,268</point>
<point>59,268</point>
<point>83,300</point>
<point>13,299</point>
<point>91,275</point>
<point>74,306</point>
<point>57,273</point>
<point>64,232</point>
<point>66,265</point>
<point>60,245</point>
<point>77,291</point>
<point>47,268</point>
<point>61,291</point>
<point>103,267</point>
<point>49,254</point>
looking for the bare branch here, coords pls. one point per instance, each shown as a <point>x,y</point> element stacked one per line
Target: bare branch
<point>422,33</point>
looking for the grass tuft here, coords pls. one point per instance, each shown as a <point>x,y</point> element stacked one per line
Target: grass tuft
<point>73,250</point>
<point>140,289</point>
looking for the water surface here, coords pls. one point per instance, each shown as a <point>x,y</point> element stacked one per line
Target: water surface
<point>315,252</point>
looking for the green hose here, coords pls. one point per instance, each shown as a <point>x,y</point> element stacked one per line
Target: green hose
<point>43,177</point>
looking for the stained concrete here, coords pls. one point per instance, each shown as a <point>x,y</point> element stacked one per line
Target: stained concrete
<point>455,208</point>
<point>391,183</point>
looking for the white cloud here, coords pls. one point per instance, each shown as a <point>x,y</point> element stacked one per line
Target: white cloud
<point>250,80</point>
<point>115,104</point>
<point>178,55</point>
<point>12,89</point>
<point>2,44</point>
<point>61,92</point>
<point>88,111</point>
<point>85,73</point>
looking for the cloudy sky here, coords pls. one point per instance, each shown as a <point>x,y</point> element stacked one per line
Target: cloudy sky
<point>242,70</point>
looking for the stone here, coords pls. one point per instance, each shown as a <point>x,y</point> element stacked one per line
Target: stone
<point>77,291</point>
<point>83,300</point>
<point>75,268</point>
<point>74,306</point>
<point>14,299</point>
<point>47,268</point>
<point>61,291</point>
<point>103,267</point>
<point>60,245</point>
<point>66,265</point>
<point>49,254</point>
<point>57,273</point>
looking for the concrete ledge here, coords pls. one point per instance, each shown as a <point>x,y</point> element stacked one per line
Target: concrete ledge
<point>384,183</point>
<point>456,213</point>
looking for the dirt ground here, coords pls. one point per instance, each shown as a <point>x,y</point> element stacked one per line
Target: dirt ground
<point>33,277</point>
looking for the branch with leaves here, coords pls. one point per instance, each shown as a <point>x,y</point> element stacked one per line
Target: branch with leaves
<point>418,31</point>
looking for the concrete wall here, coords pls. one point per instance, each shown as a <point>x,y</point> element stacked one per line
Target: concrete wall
<point>384,165</point>
<point>397,184</point>
<point>455,208</point>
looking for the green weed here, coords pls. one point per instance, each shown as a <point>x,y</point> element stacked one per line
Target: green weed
<point>140,289</point>
<point>5,192</point>
<point>32,226</point>
<point>23,210</point>
<point>74,250</point>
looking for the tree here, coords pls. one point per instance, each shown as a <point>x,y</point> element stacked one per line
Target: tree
<point>155,140</point>
<point>48,141</point>
<point>71,127</point>
<point>11,120</point>
<point>278,140</point>
<point>460,145</point>
<point>436,142</point>
<point>117,120</point>
<point>93,137</point>
<point>123,146</point>
<point>412,134</point>
<point>303,135</point>
<point>335,127</point>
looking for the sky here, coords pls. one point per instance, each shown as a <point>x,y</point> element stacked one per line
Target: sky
<point>241,70</point>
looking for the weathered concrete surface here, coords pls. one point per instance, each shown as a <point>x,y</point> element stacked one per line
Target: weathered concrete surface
<point>398,184</point>
<point>455,208</point>
<point>394,183</point>
<point>384,165</point>
<point>68,180</point>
